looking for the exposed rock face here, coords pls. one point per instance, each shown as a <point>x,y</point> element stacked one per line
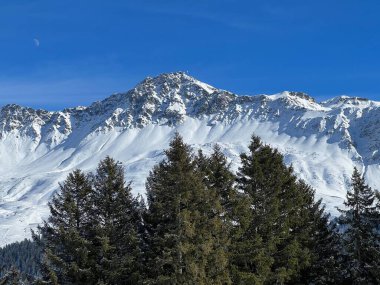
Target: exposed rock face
<point>38,148</point>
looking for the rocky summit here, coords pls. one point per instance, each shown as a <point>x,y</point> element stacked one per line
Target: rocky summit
<point>322,140</point>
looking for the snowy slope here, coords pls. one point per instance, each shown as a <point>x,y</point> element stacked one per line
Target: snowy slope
<point>323,141</point>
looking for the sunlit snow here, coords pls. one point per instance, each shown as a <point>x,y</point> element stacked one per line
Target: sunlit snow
<point>323,141</point>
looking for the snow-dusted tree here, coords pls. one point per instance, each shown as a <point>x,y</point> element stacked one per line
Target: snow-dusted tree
<point>11,277</point>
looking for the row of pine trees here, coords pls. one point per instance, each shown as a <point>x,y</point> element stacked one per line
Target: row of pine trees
<point>201,224</point>
<point>21,255</point>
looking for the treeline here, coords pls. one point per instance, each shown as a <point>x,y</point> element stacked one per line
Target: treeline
<point>205,225</point>
<point>22,255</point>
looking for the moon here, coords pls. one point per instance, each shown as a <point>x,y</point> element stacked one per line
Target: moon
<point>36,42</point>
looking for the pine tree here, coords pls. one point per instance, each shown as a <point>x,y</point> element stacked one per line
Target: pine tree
<point>322,238</point>
<point>217,175</point>
<point>360,239</point>
<point>275,245</point>
<point>92,234</point>
<point>24,256</point>
<point>12,277</point>
<point>63,235</point>
<point>220,181</point>
<point>377,195</point>
<point>115,226</point>
<point>183,223</point>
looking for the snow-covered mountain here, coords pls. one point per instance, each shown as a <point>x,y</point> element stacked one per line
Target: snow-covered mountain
<point>323,141</point>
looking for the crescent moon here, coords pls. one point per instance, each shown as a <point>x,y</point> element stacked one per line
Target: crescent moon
<point>36,42</point>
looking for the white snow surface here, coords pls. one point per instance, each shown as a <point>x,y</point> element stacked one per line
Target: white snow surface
<point>323,141</point>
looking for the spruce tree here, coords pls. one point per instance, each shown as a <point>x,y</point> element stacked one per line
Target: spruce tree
<point>115,226</point>
<point>183,223</point>
<point>24,256</point>
<point>218,177</point>
<point>11,277</point>
<point>275,245</point>
<point>322,238</point>
<point>93,233</point>
<point>220,182</point>
<point>360,237</point>
<point>377,195</point>
<point>64,235</point>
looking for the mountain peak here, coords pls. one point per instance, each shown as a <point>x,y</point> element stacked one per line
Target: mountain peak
<point>349,102</point>
<point>179,79</point>
<point>15,110</point>
<point>38,148</point>
<point>302,95</point>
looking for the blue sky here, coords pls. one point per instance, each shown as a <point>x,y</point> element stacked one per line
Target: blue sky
<point>87,50</point>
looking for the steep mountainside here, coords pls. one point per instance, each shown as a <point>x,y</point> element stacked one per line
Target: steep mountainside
<point>323,141</point>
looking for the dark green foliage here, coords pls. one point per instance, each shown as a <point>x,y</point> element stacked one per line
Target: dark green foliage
<point>219,179</point>
<point>276,245</point>
<point>323,241</point>
<point>64,235</point>
<point>360,238</point>
<point>91,236</point>
<point>203,225</point>
<point>23,256</point>
<point>115,225</point>
<point>183,223</point>
<point>12,277</point>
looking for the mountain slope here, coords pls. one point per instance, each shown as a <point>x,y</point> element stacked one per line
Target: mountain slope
<point>38,148</point>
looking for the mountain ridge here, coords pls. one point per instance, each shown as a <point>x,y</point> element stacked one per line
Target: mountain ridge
<point>38,148</point>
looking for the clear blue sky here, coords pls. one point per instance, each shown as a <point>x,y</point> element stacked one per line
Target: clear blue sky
<point>61,53</point>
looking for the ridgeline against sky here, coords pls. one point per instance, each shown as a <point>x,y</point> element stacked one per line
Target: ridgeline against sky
<point>56,54</point>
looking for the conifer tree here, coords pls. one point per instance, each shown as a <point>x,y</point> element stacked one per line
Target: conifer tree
<point>11,277</point>
<point>181,223</point>
<point>64,235</point>
<point>23,256</point>
<point>322,238</point>
<point>360,237</point>
<point>217,176</point>
<point>220,181</point>
<point>235,206</point>
<point>115,226</point>
<point>275,245</point>
<point>377,195</point>
<point>92,234</point>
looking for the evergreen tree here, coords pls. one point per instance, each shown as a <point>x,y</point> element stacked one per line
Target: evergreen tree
<point>220,181</point>
<point>12,277</point>
<point>64,235</point>
<point>93,233</point>
<point>183,223</point>
<point>322,238</point>
<point>377,195</point>
<point>23,256</point>
<point>115,226</point>
<point>217,176</point>
<point>275,246</point>
<point>235,206</point>
<point>360,237</point>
